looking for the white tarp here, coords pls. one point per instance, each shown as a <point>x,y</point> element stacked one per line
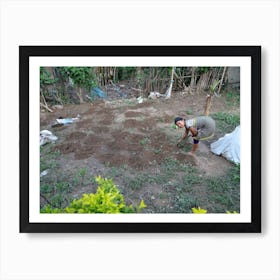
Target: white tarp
<point>228,146</point>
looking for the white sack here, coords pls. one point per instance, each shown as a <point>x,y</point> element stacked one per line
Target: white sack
<point>47,137</point>
<point>228,146</point>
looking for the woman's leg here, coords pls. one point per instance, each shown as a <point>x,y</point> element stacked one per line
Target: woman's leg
<point>195,146</point>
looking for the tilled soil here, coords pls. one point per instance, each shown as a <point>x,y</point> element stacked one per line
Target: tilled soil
<point>122,133</point>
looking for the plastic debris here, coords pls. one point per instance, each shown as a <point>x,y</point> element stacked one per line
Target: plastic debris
<point>154,95</point>
<point>61,121</point>
<point>44,173</point>
<point>97,92</point>
<point>228,146</point>
<point>166,95</point>
<point>47,137</point>
<point>65,121</point>
<point>140,99</point>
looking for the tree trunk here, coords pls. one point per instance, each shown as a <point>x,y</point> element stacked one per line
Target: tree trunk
<point>193,78</point>
<point>208,105</point>
<point>202,83</point>
<point>79,93</point>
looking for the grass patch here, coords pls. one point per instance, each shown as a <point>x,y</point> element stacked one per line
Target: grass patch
<point>224,192</point>
<point>233,99</point>
<point>145,141</point>
<point>48,158</point>
<point>183,203</point>
<point>172,187</point>
<point>56,194</point>
<point>226,122</point>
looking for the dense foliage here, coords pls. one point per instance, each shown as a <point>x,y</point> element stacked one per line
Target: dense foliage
<point>60,85</point>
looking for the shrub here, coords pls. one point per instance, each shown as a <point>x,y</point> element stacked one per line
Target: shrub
<point>199,210</point>
<point>107,199</point>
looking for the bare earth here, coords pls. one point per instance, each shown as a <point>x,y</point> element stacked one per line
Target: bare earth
<point>128,136</point>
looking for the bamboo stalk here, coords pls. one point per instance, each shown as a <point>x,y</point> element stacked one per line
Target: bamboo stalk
<point>45,105</point>
<point>219,89</point>
<point>168,94</point>
<point>182,80</point>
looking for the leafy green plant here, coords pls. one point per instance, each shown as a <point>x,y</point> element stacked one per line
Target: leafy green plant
<point>204,211</point>
<point>81,76</point>
<point>214,85</point>
<point>199,210</point>
<point>107,199</point>
<point>45,77</point>
<point>202,70</point>
<point>145,141</point>
<point>82,174</point>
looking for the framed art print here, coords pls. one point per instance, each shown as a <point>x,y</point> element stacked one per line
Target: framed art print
<point>140,139</point>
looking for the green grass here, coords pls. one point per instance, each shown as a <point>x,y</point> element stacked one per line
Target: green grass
<point>224,192</point>
<point>226,122</point>
<point>233,99</point>
<point>179,182</point>
<point>173,187</point>
<point>183,203</point>
<point>137,182</point>
<point>56,194</point>
<point>48,158</point>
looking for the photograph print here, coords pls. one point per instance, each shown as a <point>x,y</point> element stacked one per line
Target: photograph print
<point>140,139</point>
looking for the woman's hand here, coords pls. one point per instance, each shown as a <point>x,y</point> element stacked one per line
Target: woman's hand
<point>182,138</point>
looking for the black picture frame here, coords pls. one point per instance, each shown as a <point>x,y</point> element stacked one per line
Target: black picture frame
<point>253,52</point>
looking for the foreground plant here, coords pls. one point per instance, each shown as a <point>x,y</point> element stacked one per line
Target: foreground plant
<point>203,211</point>
<point>234,212</point>
<point>107,199</point>
<point>199,210</point>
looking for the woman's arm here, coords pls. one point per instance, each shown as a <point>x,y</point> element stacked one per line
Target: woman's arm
<point>184,136</point>
<point>193,131</point>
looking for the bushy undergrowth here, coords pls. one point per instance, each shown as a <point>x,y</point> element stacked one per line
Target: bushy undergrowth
<point>107,199</point>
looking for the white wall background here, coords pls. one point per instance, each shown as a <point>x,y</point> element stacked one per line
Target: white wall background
<point>138,256</point>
